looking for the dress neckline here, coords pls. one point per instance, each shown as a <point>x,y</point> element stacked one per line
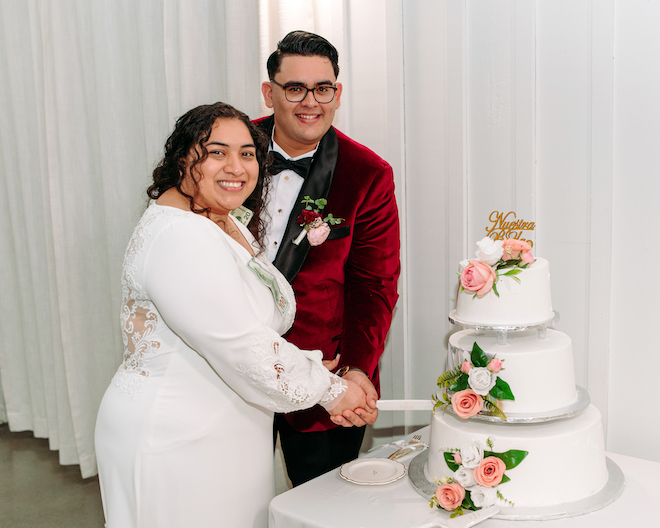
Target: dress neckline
<point>243,230</point>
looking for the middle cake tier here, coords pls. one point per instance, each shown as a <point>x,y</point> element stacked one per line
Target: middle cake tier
<point>539,371</point>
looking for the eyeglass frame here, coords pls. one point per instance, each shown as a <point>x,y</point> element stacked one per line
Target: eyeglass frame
<point>307,90</point>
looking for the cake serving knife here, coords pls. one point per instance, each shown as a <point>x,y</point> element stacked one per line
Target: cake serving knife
<point>405,405</point>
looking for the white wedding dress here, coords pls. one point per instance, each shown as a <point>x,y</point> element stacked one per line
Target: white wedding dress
<point>184,434</point>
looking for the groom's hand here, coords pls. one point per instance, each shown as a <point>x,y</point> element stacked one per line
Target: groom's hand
<point>361,415</point>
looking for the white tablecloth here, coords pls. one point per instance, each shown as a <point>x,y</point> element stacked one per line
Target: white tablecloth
<point>330,502</point>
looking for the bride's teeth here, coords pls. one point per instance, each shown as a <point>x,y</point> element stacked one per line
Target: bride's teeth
<point>230,184</point>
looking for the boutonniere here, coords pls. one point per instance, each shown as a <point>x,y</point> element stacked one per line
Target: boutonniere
<point>315,226</point>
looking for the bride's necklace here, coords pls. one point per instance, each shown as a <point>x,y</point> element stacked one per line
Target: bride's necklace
<point>232,231</point>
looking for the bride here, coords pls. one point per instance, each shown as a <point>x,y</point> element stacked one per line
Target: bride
<point>184,432</point>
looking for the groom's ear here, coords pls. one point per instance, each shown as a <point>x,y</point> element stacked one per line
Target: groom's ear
<point>267,92</point>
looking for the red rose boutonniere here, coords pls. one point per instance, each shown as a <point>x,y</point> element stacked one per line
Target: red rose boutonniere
<point>315,226</point>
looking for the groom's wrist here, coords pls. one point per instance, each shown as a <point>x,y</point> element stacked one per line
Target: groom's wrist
<point>348,368</point>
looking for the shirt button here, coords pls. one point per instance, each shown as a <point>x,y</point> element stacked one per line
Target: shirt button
<point>274,244</point>
<point>279,211</point>
<point>286,178</point>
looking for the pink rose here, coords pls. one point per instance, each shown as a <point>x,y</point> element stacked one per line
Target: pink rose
<point>466,403</point>
<point>450,496</point>
<point>478,277</point>
<point>490,472</point>
<point>526,258</point>
<point>512,248</point>
<point>317,235</point>
<point>495,365</point>
<point>457,458</point>
<point>465,367</point>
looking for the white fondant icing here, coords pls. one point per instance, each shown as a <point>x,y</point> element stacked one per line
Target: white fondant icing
<point>524,302</point>
<point>540,372</point>
<point>566,460</point>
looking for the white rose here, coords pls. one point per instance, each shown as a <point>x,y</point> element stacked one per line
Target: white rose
<point>490,251</point>
<point>472,453</point>
<point>483,497</point>
<point>465,477</point>
<point>481,380</point>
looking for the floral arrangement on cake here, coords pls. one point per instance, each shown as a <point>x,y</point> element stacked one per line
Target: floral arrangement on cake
<point>475,384</point>
<point>478,474</point>
<point>481,274</point>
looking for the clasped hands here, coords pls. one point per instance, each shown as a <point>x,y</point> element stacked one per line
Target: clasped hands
<point>358,406</point>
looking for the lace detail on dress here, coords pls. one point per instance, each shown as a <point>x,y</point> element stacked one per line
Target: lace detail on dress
<point>337,388</point>
<point>138,316</point>
<point>277,372</point>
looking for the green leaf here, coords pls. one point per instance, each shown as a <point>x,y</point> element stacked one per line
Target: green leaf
<point>460,384</point>
<point>501,390</point>
<point>504,479</point>
<point>449,459</point>
<point>492,407</point>
<point>467,501</point>
<point>449,377</point>
<point>495,289</point>
<point>512,272</point>
<point>478,356</point>
<point>511,458</point>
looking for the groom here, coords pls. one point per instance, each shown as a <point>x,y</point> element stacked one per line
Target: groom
<point>346,288</point>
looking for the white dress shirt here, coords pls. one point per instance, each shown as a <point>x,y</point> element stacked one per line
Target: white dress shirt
<point>283,192</point>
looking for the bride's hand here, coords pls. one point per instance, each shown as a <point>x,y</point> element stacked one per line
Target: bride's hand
<point>331,364</point>
<point>354,398</point>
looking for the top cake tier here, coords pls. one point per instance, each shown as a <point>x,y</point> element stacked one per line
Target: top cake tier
<point>523,302</point>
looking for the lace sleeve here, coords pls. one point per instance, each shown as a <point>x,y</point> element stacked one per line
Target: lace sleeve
<point>218,309</point>
<point>278,373</point>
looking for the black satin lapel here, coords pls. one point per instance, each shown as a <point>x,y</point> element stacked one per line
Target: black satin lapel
<point>290,257</point>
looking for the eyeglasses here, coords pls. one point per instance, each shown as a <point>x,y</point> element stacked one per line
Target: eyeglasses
<point>295,93</point>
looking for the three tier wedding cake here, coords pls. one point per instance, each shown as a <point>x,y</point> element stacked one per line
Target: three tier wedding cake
<point>510,427</point>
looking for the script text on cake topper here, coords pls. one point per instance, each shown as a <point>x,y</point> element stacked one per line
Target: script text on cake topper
<point>506,225</point>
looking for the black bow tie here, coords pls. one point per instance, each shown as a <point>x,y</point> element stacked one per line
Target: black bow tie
<point>280,163</point>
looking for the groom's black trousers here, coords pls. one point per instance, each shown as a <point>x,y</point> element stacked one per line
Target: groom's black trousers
<point>308,455</point>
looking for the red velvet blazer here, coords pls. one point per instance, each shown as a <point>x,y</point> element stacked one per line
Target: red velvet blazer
<point>346,288</point>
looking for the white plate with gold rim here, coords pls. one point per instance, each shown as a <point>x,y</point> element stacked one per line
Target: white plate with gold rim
<point>372,471</point>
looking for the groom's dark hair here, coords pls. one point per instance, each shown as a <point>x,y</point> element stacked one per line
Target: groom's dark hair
<point>302,43</point>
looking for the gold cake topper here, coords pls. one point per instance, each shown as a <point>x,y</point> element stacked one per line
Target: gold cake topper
<point>508,226</point>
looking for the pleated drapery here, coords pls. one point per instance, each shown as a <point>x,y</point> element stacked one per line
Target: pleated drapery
<point>89,91</point>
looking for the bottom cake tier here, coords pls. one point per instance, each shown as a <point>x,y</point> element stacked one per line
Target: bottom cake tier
<point>565,461</point>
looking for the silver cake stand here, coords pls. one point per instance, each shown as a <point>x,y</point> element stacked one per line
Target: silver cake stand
<point>606,496</point>
<point>502,330</point>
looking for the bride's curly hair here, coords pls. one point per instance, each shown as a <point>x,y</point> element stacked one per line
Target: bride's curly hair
<point>191,132</point>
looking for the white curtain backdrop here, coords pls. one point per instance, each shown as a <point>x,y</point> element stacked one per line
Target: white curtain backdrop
<point>89,91</point>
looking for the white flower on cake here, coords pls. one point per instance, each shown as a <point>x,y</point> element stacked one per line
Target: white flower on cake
<point>481,380</point>
<point>489,251</point>
<point>482,497</point>
<point>472,453</point>
<point>465,477</point>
